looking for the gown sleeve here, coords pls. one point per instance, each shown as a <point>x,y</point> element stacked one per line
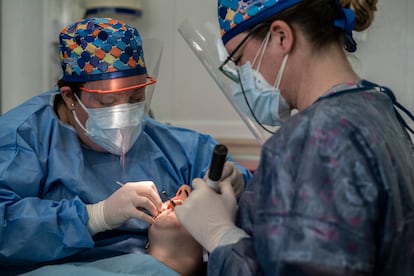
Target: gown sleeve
<point>55,228</point>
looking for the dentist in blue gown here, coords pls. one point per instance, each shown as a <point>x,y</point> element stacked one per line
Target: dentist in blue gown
<point>82,165</point>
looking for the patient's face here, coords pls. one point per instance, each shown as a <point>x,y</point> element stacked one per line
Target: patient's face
<point>169,241</point>
<point>167,219</point>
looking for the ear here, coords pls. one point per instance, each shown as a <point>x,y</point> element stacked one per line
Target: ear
<point>67,96</point>
<point>282,34</point>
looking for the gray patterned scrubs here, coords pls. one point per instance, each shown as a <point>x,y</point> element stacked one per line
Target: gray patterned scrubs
<point>334,192</point>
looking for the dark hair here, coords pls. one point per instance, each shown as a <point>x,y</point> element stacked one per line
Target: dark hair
<point>316,19</point>
<point>74,86</point>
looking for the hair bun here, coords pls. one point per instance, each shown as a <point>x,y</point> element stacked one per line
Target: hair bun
<point>364,12</point>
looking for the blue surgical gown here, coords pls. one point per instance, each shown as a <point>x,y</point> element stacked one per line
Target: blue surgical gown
<point>47,177</point>
<point>334,192</point>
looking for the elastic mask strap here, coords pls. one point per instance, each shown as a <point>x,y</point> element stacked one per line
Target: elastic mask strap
<point>281,70</point>
<point>76,117</point>
<point>80,102</point>
<point>261,51</point>
<point>78,122</point>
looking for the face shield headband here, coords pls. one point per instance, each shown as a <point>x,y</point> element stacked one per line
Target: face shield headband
<point>149,81</point>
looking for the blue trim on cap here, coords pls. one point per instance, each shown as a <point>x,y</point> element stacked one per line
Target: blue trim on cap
<point>105,76</point>
<point>256,19</point>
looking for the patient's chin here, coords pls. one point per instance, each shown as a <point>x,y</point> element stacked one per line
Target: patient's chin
<point>166,220</point>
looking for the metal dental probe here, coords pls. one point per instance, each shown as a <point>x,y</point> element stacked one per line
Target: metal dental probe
<point>169,198</point>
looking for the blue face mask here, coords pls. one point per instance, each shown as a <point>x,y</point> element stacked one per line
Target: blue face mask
<point>265,100</point>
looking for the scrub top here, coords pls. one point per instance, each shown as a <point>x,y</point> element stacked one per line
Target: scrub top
<point>334,192</point>
<point>47,177</point>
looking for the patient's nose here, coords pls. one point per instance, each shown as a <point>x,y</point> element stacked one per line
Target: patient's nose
<point>184,191</point>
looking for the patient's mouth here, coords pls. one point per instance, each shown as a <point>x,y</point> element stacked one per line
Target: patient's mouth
<point>169,198</point>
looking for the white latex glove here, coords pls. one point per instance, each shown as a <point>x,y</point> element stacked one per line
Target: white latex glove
<point>210,216</point>
<point>233,175</point>
<point>128,202</point>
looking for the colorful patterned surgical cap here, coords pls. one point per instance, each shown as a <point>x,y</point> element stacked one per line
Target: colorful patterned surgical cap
<point>237,16</point>
<point>100,49</point>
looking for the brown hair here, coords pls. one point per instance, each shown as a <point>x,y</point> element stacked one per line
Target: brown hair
<point>316,19</point>
<point>364,12</point>
<point>74,86</point>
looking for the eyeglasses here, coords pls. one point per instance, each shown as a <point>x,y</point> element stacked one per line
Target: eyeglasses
<point>149,81</point>
<point>229,66</point>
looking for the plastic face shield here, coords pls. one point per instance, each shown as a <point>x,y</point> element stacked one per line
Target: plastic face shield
<point>205,41</point>
<point>152,48</point>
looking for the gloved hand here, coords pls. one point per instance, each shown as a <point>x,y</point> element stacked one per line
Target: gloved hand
<point>209,216</point>
<point>233,175</point>
<point>129,201</point>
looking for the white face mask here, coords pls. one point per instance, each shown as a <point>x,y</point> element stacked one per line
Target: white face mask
<point>265,100</point>
<point>115,128</point>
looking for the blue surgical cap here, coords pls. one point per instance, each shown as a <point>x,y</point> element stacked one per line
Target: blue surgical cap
<point>99,49</point>
<point>237,16</point>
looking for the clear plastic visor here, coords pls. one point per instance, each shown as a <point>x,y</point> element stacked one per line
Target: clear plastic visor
<point>205,41</point>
